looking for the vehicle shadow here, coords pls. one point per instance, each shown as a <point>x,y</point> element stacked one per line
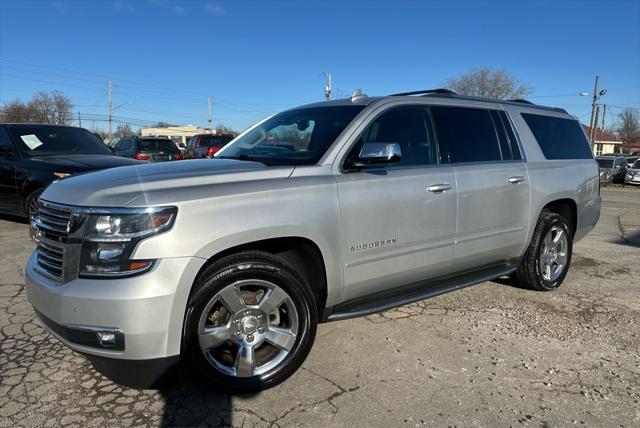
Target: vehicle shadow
<point>191,401</point>
<point>509,281</point>
<point>13,218</point>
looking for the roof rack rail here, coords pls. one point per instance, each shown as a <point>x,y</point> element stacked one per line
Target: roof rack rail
<point>522,100</point>
<point>441,91</point>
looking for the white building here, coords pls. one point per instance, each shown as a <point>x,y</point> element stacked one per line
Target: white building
<point>179,134</point>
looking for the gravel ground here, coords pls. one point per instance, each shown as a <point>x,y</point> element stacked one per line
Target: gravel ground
<point>487,355</point>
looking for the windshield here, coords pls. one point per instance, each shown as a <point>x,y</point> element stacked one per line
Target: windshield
<point>214,141</point>
<point>294,137</point>
<point>605,163</point>
<point>38,140</point>
<point>158,146</point>
<point>636,164</point>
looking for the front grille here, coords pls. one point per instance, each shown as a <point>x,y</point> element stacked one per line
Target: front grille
<point>54,222</point>
<point>50,258</point>
<point>56,231</point>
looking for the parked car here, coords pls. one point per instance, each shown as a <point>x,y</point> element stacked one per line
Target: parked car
<point>150,149</point>
<point>612,168</point>
<point>206,145</point>
<point>182,147</point>
<point>633,173</point>
<point>323,212</point>
<point>33,156</point>
<point>631,160</point>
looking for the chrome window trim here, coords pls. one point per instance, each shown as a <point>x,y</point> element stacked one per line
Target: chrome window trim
<point>385,108</point>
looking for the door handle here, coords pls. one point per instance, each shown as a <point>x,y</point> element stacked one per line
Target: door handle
<point>439,188</point>
<point>516,179</point>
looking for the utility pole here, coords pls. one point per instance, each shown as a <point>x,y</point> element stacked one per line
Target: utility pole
<point>110,111</point>
<point>595,131</point>
<point>327,86</point>
<point>604,115</point>
<point>210,118</point>
<point>79,121</point>
<point>593,123</point>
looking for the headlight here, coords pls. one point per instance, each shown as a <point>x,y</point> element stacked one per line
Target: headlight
<point>110,238</point>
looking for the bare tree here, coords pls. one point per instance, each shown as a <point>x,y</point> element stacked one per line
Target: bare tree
<point>54,108</point>
<point>123,130</point>
<point>15,111</point>
<point>224,129</point>
<point>163,124</point>
<point>488,83</point>
<point>629,123</point>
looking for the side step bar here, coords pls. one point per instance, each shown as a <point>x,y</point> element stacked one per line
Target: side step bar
<point>385,300</point>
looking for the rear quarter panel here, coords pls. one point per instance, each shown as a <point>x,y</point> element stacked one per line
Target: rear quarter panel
<point>551,180</point>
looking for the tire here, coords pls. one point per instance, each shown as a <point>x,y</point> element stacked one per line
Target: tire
<point>250,323</point>
<point>537,271</point>
<point>31,203</point>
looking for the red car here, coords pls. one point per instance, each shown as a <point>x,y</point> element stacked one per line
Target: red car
<point>206,145</point>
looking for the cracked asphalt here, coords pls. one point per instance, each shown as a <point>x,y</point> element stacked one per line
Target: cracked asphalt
<point>488,355</point>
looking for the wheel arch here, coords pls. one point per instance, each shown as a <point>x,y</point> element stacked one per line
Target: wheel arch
<point>567,208</point>
<point>300,252</point>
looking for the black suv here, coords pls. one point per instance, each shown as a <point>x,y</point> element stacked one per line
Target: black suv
<point>150,149</point>
<point>32,156</point>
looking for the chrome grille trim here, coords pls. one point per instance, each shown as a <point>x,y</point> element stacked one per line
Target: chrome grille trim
<point>50,259</point>
<point>56,221</point>
<point>57,230</point>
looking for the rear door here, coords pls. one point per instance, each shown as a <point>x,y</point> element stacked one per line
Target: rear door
<point>493,190</point>
<point>397,227</point>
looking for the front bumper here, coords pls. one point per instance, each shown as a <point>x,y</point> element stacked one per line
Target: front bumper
<point>632,180</point>
<point>148,309</point>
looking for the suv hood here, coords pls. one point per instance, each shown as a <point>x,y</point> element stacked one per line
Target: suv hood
<point>118,187</point>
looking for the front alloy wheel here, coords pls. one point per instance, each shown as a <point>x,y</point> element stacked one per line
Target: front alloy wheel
<point>248,328</point>
<point>251,321</point>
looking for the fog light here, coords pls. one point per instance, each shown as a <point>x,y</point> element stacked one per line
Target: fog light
<point>106,339</point>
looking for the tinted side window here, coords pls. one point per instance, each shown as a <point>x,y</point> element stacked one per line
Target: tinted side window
<point>411,128</point>
<point>513,143</point>
<point>5,143</point>
<point>467,133</point>
<point>558,138</point>
<point>505,150</point>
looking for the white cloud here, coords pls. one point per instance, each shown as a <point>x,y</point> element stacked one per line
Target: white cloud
<point>214,9</point>
<point>178,9</point>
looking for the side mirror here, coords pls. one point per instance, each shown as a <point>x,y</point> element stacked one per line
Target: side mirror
<point>377,154</point>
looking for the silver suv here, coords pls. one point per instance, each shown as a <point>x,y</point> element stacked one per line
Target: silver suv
<point>323,212</point>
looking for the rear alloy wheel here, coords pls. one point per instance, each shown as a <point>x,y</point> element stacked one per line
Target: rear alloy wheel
<point>553,254</point>
<point>546,261</point>
<point>251,322</point>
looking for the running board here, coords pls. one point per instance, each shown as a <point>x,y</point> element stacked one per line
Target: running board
<point>385,300</point>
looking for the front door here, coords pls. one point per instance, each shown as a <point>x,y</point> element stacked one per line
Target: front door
<point>398,226</point>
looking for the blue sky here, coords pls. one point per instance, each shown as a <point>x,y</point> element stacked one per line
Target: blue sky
<point>255,58</point>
